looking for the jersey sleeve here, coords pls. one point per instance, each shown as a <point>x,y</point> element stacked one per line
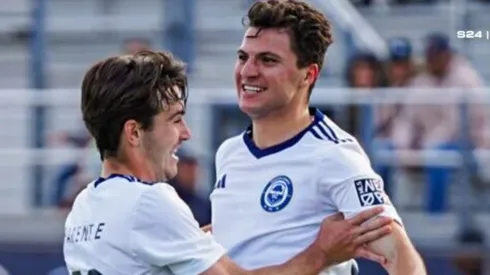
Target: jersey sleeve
<point>349,184</point>
<point>165,234</point>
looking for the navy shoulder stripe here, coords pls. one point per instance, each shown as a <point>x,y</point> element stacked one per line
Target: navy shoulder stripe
<point>324,131</point>
<point>126,177</point>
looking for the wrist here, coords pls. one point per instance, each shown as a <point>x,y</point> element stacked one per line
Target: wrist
<point>317,256</point>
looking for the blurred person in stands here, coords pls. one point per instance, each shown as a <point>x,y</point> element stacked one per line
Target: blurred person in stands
<point>400,70</point>
<point>471,262</point>
<point>136,45</point>
<point>73,175</point>
<point>400,65</point>
<point>364,72</point>
<point>185,184</point>
<point>438,126</point>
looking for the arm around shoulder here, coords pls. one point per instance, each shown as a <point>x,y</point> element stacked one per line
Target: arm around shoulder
<point>308,262</point>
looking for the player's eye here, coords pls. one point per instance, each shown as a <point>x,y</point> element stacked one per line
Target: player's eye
<point>178,120</point>
<point>269,60</point>
<point>242,57</point>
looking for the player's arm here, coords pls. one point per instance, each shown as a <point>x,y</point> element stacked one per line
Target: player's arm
<point>338,240</point>
<point>164,233</point>
<point>309,262</point>
<point>364,192</point>
<point>352,186</point>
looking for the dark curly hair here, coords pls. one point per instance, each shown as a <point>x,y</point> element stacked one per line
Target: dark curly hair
<point>121,88</point>
<point>308,28</point>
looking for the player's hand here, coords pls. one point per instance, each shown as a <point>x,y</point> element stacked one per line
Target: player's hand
<point>207,228</point>
<point>343,239</point>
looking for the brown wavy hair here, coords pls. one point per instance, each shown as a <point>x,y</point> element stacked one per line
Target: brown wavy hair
<point>309,30</point>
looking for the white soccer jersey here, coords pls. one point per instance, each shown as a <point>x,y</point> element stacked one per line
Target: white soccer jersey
<point>267,205</point>
<point>121,225</point>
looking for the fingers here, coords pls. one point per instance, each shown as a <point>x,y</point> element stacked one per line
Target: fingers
<point>373,235</point>
<point>366,254</point>
<point>373,225</point>
<point>366,215</point>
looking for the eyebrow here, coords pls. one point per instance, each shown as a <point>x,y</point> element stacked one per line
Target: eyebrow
<point>260,54</point>
<point>177,113</point>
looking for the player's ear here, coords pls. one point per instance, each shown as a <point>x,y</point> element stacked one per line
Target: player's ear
<point>132,132</point>
<point>311,74</point>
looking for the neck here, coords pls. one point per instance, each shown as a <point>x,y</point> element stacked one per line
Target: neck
<point>279,127</point>
<point>112,166</point>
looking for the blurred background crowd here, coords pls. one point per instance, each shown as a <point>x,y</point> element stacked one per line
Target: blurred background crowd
<point>396,77</point>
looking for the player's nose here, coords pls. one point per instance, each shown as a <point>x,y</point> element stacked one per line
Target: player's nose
<point>249,69</point>
<point>185,133</point>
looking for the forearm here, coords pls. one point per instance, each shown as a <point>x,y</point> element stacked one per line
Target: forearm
<point>402,257</point>
<point>310,261</point>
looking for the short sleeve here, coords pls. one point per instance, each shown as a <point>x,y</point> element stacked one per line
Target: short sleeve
<point>165,234</point>
<point>352,186</point>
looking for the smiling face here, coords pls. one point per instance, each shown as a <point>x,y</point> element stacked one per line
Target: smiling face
<point>160,144</point>
<point>267,76</point>
<point>154,148</point>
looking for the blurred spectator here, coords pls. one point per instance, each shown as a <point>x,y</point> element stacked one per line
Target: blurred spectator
<point>400,65</point>
<point>364,71</point>
<point>87,167</point>
<point>437,126</point>
<point>185,184</point>
<point>471,263</point>
<point>75,173</point>
<point>400,69</point>
<point>135,45</point>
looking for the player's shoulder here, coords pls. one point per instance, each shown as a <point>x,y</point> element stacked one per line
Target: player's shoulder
<point>159,205</point>
<point>229,145</point>
<point>336,148</point>
<point>160,195</point>
<point>129,188</point>
<point>325,134</point>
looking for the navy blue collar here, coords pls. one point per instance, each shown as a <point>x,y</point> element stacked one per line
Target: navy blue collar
<point>260,153</point>
<point>126,177</point>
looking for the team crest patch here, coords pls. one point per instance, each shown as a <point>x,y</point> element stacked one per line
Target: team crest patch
<point>277,194</point>
<point>370,192</point>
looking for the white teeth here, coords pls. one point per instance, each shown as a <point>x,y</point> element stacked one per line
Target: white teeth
<point>252,89</point>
